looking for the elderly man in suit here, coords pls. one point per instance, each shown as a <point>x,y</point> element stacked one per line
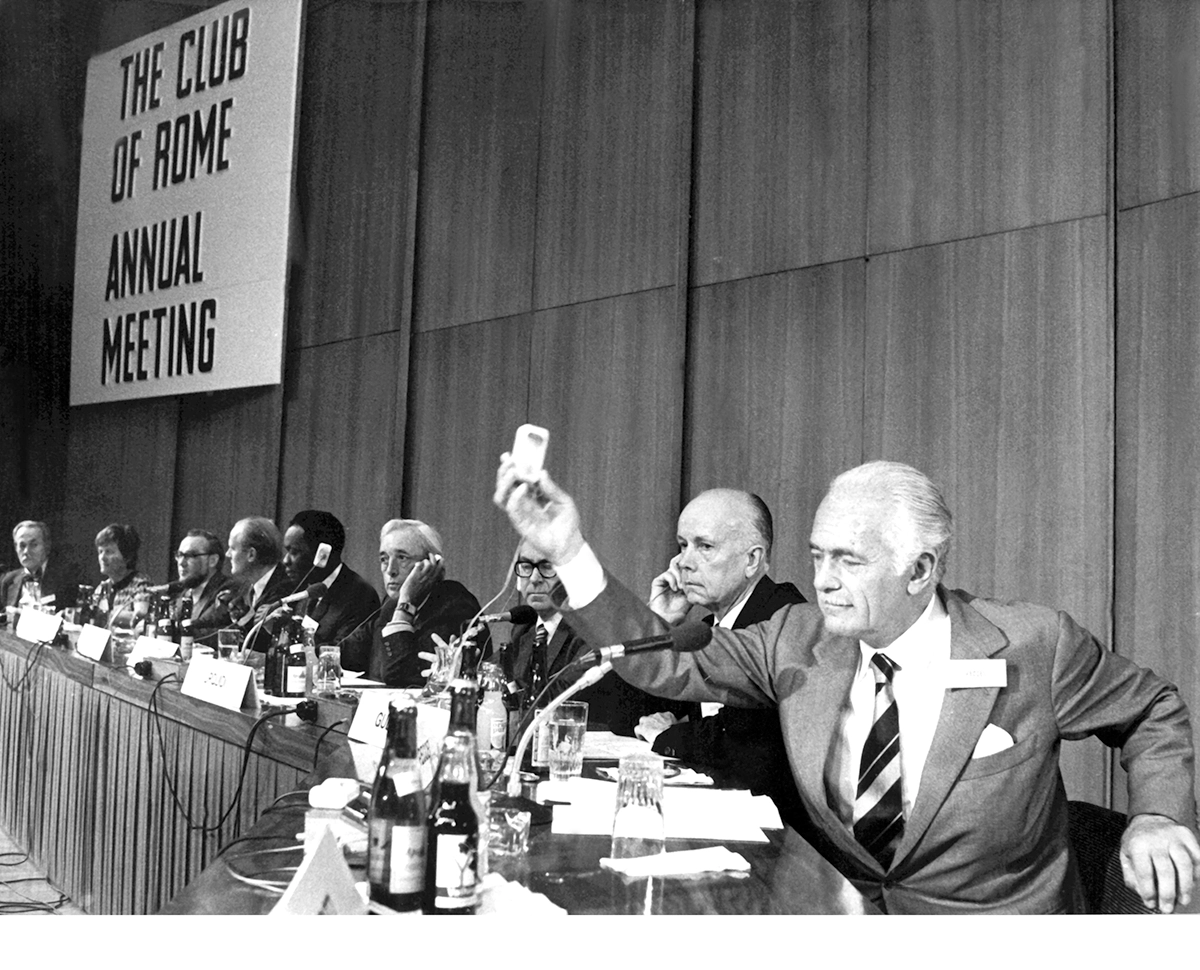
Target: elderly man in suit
<point>725,538</point>
<point>923,724</point>
<point>198,560</point>
<point>31,542</point>
<point>255,552</point>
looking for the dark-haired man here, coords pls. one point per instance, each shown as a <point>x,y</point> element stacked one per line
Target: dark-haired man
<point>349,601</point>
<point>198,560</point>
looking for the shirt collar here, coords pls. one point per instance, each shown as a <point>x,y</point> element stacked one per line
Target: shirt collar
<point>926,641</point>
<point>261,584</point>
<point>728,620</point>
<point>551,625</point>
<point>328,580</point>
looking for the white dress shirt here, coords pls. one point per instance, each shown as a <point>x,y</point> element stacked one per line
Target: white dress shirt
<point>260,585</point>
<point>918,685</point>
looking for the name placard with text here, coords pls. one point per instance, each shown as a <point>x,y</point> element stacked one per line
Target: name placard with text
<point>219,682</point>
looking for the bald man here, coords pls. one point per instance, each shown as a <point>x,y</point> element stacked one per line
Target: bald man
<point>725,538</point>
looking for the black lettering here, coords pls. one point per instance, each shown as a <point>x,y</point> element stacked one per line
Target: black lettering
<point>141,81</point>
<point>128,262</point>
<point>143,342</point>
<point>223,137</point>
<point>149,250</point>
<point>125,62</point>
<point>171,342</point>
<point>110,351</point>
<point>186,39</point>
<point>216,65</point>
<point>200,85</point>
<point>112,286</point>
<point>197,272</point>
<point>237,47</point>
<point>204,139</point>
<point>179,154</point>
<point>129,347</point>
<point>183,261</point>
<point>162,153</point>
<point>186,337</point>
<point>166,254</point>
<point>155,74</point>
<point>159,313</point>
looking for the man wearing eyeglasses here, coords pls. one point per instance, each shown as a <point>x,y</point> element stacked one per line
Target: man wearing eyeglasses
<point>420,604</point>
<point>198,560</point>
<point>612,703</point>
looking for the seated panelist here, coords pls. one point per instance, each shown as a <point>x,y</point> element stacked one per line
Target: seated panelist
<point>725,538</point>
<point>198,561</point>
<point>38,571</point>
<point>349,601</point>
<point>116,599</point>
<point>255,553</point>
<point>612,703</point>
<point>419,603</point>
<point>923,724</point>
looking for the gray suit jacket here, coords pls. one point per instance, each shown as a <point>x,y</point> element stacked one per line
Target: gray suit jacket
<point>986,834</point>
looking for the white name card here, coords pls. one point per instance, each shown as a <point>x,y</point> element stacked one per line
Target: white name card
<point>322,886</point>
<point>975,673</point>
<point>219,682</point>
<point>370,727</point>
<point>150,648</point>
<point>93,643</point>
<point>38,627</point>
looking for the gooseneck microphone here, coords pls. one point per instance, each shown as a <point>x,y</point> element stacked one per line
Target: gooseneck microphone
<point>174,588</point>
<point>518,616</point>
<point>686,638</point>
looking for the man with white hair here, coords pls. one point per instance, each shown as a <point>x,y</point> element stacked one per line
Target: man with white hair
<point>420,603</point>
<point>51,578</point>
<point>922,724</point>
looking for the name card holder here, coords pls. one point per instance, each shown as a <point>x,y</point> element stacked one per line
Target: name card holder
<point>220,682</point>
<point>95,643</point>
<point>322,886</point>
<point>370,727</point>
<point>38,627</point>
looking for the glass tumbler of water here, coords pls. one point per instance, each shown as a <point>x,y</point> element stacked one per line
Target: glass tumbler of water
<point>327,678</point>
<point>567,727</point>
<point>638,820</point>
<point>229,641</point>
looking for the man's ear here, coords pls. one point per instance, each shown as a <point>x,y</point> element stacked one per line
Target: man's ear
<point>754,560</point>
<point>921,575</point>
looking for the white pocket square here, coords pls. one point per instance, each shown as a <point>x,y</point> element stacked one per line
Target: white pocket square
<point>993,740</point>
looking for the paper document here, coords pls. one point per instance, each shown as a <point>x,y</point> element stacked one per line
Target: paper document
<point>721,815</point>
<point>606,746</point>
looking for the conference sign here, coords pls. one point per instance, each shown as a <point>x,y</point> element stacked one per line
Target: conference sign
<point>185,194</point>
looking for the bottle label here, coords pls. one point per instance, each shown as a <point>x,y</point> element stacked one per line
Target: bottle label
<point>295,680</point>
<point>541,747</point>
<point>500,732</point>
<point>455,872</point>
<point>407,859</point>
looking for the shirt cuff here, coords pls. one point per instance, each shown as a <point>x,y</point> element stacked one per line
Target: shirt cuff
<point>395,626</point>
<point>582,577</point>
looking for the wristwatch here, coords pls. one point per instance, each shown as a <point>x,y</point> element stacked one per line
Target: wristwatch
<point>405,607</point>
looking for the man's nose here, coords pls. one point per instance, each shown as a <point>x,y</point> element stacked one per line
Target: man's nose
<point>824,575</point>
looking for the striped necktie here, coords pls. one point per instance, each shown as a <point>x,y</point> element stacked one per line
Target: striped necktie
<point>540,641</point>
<point>878,802</point>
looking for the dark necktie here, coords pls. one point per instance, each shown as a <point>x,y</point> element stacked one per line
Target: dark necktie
<point>878,802</point>
<point>710,620</point>
<point>540,641</point>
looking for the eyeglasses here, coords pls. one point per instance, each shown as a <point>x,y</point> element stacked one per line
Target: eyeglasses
<point>524,568</point>
<point>192,555</point>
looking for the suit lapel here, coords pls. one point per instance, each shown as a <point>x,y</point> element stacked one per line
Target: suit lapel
<point>965,713</point>
<point>554,647</point>
<point>818,705</point>
<point>755,610</point>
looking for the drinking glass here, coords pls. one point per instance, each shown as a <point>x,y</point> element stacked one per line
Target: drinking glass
<point>638,820</point>
<point>327,677</point>
<point>447,657</point>
<point>508,827</point>
<point>567,727</point>
<point>229,640</point>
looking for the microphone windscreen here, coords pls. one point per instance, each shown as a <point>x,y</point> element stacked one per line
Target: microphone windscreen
<point>691,636</point>
<point>316,590</point>
<point>321,559</point>
<point>522,615</point>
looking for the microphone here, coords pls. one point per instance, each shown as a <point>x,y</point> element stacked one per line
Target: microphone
<point>314,591</point>
<point>174,588</point>
<point>320,561</point>
<point>686,638</point>
<point>519,616</point>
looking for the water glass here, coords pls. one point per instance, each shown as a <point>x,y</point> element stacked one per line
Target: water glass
<point>447,658</point>
<point>638,828</point>
<point>229,640</point>
<point>508,827</point>
<point>567,727</point>
<point>327,677</point>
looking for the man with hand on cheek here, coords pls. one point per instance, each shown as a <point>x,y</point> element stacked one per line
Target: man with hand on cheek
<point>420,603</point>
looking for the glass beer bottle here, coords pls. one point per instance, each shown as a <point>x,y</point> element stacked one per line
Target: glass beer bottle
<point>396,817</point>
<point>452,850</point>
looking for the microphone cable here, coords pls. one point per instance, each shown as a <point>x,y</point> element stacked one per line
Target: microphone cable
<point>246,751</point>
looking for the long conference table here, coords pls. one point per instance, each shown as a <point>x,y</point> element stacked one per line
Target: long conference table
<point>117,785</point>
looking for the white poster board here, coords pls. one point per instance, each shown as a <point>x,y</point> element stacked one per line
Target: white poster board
<point>185,196</point>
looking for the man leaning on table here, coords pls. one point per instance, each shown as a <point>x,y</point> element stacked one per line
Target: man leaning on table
<point>930,794</point>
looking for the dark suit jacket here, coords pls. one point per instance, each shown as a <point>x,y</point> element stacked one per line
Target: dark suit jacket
<point>393,659</point>
<point>59,578</point>
<point>208,613</point>
<point>343,607</point>
<point>745,745</point>
<point>278,586</point>
<point>612,703</point>
<point>985,834</point>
